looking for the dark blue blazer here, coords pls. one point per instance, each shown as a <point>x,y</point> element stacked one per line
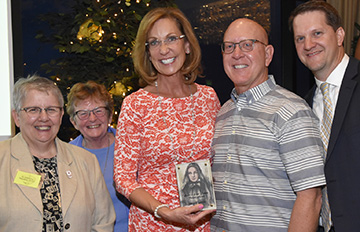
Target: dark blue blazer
<point>342,165</point>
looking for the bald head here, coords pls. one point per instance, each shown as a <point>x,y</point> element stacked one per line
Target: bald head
<point>247,55</point>
<point>246,27</point>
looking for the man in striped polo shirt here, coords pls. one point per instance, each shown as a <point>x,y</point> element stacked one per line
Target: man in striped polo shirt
<point>267,151</point>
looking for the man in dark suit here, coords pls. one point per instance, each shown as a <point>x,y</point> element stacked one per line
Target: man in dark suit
<point>319,37</point>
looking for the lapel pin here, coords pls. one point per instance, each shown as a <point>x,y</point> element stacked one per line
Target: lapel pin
<point>68,173</point>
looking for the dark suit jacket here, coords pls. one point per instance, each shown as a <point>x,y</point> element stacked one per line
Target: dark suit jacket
<point>342,165</point>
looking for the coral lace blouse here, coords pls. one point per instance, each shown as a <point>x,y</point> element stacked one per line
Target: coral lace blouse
<point>144,155</point>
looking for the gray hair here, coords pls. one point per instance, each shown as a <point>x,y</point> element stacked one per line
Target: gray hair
<point>23,85</point>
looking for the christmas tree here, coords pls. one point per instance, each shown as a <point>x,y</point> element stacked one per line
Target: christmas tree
<point>95,39</point>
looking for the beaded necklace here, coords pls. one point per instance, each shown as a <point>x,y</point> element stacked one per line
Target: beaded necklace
<point>168,129</point>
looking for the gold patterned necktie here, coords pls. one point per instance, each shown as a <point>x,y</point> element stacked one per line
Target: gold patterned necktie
<point>325,135</point>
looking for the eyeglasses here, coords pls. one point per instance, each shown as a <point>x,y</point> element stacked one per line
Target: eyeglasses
<point>35,111</point>
<point>171,40</point>
<point>85,114</point>
<point>246,45</point>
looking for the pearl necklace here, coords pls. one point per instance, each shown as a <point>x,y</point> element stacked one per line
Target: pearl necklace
<point>168,129</point>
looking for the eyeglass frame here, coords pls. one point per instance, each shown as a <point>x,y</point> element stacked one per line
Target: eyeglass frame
<point>177,38</point>
<point>39,110</point>
<point>241,47</point>
<point>91,111</point>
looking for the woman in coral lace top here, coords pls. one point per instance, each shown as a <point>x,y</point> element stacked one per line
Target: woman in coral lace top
<point>169,121</point>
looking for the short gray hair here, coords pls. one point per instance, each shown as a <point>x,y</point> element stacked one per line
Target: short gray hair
<point>23,85</point>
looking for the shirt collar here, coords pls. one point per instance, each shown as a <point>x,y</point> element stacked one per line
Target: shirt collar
<point>336,76</point>
<point>253,94</point>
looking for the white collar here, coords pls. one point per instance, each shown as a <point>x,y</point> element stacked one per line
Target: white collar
<point>336,76</point>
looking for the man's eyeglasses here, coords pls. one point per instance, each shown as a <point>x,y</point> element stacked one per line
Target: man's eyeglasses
<point>85,114</point>
<point>35,111</point>
<point>246,45</point>
<point>171,40</point>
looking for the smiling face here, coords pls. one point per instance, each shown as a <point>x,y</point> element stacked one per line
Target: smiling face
<point>94,127</point>
<point>41,128</point>
<point>167,59</point>
<point>318,46</point>
<point>193,174</point>
<point>247,69</point>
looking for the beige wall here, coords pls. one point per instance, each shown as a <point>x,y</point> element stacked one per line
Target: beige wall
<point>349,11</point>
<point>6,70</point>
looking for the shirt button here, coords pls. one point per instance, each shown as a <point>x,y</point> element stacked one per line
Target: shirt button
<point>229,157</point>
<point>233,132</point>
<point>224,207</point>
<point>225,182</point>
<point>67,226</point>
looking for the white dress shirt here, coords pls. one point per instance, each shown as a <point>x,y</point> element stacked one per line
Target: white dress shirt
<point>334,79</point>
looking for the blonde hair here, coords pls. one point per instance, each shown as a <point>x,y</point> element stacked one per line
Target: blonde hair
<point>24,85</point>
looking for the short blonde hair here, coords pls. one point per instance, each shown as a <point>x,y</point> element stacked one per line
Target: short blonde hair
<point>24,85</point>
<point>192,66</point>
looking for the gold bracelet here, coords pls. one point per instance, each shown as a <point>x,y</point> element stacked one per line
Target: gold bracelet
<point>157,208</point>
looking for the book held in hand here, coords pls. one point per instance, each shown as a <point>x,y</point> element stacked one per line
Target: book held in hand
<point>195,184</point>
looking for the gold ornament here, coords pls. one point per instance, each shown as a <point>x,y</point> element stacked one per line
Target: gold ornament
<point>118,89</point>
<point>88,30</point>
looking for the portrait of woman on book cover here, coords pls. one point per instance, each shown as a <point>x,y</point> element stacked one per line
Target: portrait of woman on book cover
<point>196,187</point>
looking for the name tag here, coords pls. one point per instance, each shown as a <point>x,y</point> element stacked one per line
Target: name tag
<point>27,179</point>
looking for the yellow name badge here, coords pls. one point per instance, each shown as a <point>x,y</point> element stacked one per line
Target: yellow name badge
<point>27,179</point>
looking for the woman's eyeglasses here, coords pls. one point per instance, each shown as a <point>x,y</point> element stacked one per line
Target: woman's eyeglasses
<point>35,111</point>
<point>85,114</point>
<point>171,40</point>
